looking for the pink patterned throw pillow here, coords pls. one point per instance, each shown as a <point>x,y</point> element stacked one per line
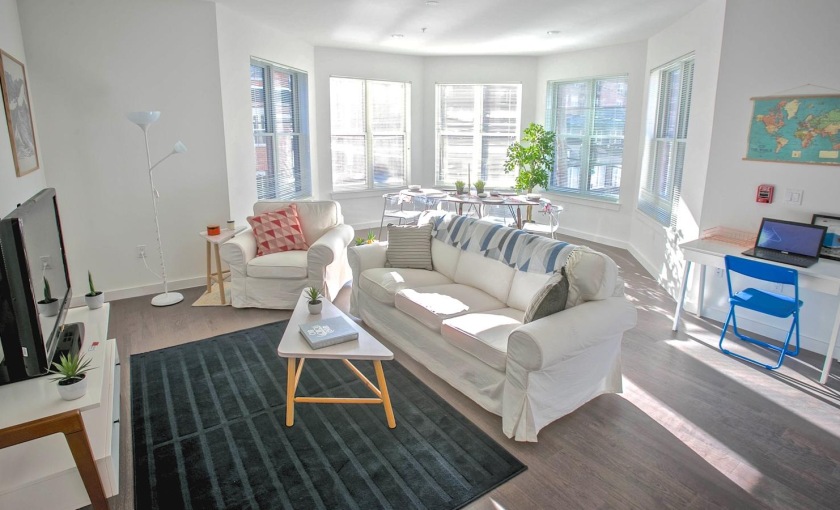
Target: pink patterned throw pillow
<point>277,231</point>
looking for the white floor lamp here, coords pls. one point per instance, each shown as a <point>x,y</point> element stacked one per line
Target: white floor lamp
<point>144,120</point>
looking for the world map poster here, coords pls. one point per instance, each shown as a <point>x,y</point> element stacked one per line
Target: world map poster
<point>796,129</point>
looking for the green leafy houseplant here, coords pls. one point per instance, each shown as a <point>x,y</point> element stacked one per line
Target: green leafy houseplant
<point>533,157</point>
<point>47,293</point>
<point>95,298</point>
<point>93,291</point>
<point>70,368</point>
<point>371,238</point>
<point>479,186</point>
<point>314,295</point>
<point>49,306</point>
<point>459,187</point>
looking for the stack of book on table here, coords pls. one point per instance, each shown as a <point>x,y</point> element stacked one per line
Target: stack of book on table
<point>326,332</point>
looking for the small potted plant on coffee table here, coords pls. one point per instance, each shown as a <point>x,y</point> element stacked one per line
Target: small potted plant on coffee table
<point>95,298</point>
<point>70,373</point>
<point>315,305</point>
<point>48,307</point>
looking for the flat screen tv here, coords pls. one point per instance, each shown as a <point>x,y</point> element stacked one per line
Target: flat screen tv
<point>32,249</point>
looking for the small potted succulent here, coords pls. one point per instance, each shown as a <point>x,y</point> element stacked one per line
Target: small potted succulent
<point>479,188</point>
<point>315,305</point>
<point>459,187</point>
<point>371,238</point>
<point>70,373</point>
<point>48,307</point>
<point>95,298</point>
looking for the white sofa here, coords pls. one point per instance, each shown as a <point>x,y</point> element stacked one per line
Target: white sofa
<point>463,321</point>
<point>276,280</point>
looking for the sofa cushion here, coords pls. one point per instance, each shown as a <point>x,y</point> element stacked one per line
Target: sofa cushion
<point>524,287</point>
<point>445,258</point>
<point>433,304</point>
<point>316,216</point>
<point>382,283</point>
<point>284,264</point>
<point>550,299</point>
<point>591,274</point>
<point>483,335</point>
<point>487,274</point>
<point>409,246</point>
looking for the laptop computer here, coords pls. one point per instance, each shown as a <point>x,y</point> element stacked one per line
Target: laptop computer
<point>788,242</point>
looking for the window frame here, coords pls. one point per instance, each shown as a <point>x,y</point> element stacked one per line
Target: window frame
<point>663,209</point>
<point>369,134</point>
<point>586,136</point>
<point>300,98</point>
<point>476,132</point>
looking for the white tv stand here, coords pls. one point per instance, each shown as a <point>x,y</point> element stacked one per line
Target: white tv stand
<point>41,472</point>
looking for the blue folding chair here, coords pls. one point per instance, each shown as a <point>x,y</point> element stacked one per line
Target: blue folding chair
<point>770,303</point>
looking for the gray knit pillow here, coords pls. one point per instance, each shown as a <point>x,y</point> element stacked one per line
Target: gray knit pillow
<point>409,247</point>
<point>550,299</point>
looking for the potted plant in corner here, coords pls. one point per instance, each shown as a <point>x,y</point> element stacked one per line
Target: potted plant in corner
<point>48,307</point>
<point>95,298</point>
<point>70,373</point>
<point>533,157</point>
<point>315,305</point>
<point>371,238</point>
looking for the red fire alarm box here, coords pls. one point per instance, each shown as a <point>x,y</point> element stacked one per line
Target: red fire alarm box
<point>764,195</point>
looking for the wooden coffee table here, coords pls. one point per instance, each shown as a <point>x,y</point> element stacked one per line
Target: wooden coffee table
<point>294,347</point>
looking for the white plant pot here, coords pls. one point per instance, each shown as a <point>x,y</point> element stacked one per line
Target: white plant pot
<point>73,391</point>
<point>95,301</point>
<point>315,308</point>
<point>49,309</point>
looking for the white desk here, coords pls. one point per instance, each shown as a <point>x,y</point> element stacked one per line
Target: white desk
<point>42,472</point>
<point>824,276</point>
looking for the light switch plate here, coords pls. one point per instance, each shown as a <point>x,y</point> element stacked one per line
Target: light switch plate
<point>794,196</point>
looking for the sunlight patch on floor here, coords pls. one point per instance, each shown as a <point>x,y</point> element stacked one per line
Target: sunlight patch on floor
<point>717,454</point>
<point>782,387</point>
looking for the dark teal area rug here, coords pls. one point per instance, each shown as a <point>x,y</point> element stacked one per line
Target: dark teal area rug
<point>208,422</point>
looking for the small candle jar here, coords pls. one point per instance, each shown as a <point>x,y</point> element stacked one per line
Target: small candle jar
<point>213,230</point>
<point>231,224</point>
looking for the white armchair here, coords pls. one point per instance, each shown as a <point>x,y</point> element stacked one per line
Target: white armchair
<point>276,280</point>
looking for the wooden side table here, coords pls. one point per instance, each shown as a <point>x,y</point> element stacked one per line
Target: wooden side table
<point>213,243</point>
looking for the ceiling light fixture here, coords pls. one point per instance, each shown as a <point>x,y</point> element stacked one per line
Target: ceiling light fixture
<point>553,32</point>
<point>397,36</point>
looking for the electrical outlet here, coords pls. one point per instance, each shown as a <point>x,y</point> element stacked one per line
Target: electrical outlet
<point>45,262</point>
<point>141,251</point>
<point>719,272</point>
<point>778,288</point>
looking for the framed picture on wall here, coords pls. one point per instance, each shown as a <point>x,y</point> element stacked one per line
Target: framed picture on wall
<point>18,114</point>
<point>831,243</point>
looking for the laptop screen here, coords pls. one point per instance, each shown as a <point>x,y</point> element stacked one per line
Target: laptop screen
<point>798,238</point>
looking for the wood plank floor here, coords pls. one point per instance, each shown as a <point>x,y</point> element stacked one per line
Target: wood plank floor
<point>693,428</point>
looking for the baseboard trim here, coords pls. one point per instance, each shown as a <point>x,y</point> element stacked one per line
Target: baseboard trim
<point>145,290</point>
<point>366,225</point>
<point>609,241</point>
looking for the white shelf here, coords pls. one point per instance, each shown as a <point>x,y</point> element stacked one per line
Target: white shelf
<point>42,473</point>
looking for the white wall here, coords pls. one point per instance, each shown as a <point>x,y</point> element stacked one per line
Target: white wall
<point>14,189</point>
<point>700,31</point>
<point>805,52</point>
<point>91,61</point>
<point>589,219</point>
<point>364,209</point>
<point>241,38</point>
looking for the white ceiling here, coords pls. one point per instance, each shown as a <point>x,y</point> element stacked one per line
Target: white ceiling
<point>466,27</point>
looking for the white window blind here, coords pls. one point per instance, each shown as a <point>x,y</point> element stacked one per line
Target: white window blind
<point>369,122</point>
<point>475,125</point>
<point>659,193</point>
<point>588,117</point>
<point>281,145</point>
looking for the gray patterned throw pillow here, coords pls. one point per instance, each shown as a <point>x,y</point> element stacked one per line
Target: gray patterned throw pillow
<point>550,299</point>
<point>409,247</point>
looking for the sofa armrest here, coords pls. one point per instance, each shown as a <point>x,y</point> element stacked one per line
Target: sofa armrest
<point>562,335</point>
<point>327,248</point>
<point>361,258</point>
<point>239,251</point>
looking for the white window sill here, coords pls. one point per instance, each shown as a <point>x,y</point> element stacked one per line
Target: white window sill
<point>588,202</point>
<point>364,193</point>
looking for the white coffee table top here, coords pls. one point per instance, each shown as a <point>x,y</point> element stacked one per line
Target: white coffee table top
<point>293,345</point>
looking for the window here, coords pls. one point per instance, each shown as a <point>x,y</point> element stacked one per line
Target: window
<point>659,192</point>
<point>475,125</point>
<point>281,141</point>
<point>369,122</point>
<point>588,117</point>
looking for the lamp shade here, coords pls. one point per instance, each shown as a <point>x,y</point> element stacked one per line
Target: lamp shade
<point>179,148</point>
<point>143,119</point>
